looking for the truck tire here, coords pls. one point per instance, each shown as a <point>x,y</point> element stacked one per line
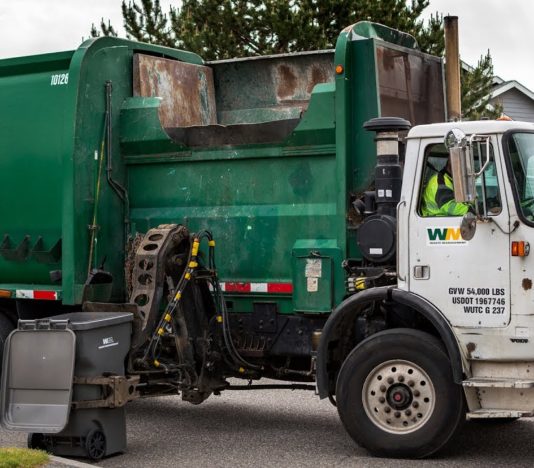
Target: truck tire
<point>396,395</point>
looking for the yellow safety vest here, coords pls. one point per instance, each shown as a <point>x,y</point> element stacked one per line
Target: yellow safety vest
<point>438,197</point>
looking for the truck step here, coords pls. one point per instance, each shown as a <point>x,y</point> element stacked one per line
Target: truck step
<point>497,413</point>
<point>488,382</point>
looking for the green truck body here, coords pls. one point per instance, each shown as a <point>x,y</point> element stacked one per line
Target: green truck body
<point>265,152</point>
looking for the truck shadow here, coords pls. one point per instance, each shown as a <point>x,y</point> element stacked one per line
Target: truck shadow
<point>280,431</point>
<point>493,443</point>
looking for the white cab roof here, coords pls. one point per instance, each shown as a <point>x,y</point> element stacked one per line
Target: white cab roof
<point>476,126</point>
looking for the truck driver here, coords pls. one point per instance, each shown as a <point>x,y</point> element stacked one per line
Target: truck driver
<point>438,196</point>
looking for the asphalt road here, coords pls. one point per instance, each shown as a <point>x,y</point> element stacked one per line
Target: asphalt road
<point>284,428</point>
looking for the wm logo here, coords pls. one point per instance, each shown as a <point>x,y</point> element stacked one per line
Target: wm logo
<point>442,236</point>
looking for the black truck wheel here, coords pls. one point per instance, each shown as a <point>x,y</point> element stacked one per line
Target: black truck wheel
<point>95,444</point>
<point>396,395</point>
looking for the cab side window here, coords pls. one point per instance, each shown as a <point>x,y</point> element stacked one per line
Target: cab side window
<point>436,157</point>
<point>521,154</point>
<point>436,194</point>
<point>487,185</point>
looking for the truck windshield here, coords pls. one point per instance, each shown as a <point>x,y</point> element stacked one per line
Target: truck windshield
<point>521,154</point>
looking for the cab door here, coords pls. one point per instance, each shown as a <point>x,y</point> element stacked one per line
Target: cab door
<point>518,148</point>
<point>468,280</point>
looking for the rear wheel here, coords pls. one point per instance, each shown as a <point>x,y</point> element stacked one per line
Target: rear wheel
<point>396,395</point>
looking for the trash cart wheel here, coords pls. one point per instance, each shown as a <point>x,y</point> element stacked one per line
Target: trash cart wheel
<point>95,444</point>
<point>36,441</point>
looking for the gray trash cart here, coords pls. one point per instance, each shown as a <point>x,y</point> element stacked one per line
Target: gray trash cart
<point>64,382</point>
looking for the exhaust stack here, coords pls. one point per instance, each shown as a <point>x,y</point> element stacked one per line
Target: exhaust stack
<point>452,69</point>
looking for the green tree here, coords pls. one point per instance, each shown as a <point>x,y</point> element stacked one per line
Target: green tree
<point>220,29</point>
<point>476,89</point>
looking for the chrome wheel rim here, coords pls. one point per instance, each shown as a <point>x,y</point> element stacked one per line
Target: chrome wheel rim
<point>398,396</point>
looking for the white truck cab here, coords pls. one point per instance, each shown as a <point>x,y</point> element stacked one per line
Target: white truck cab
<point>452,337</point>
<point>483,285</point>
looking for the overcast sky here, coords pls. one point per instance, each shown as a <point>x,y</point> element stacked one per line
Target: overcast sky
<point>505,27</point>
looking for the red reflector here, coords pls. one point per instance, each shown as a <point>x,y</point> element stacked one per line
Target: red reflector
<point>45,295</point>
<point>237,287</point>
<point>279,287</point>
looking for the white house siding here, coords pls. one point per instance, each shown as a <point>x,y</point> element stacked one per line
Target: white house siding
<point>516,105</point>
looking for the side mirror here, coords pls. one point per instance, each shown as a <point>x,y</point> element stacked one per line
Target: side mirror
<point>462,166</point>
<point>468,226</point>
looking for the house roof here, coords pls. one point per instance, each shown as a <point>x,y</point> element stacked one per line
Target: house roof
<point>500,86</point>
<point>507,86</point>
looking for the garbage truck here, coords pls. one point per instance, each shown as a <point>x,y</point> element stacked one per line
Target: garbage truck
<point>171,225</point>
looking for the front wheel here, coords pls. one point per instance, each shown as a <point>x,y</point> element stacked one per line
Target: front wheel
<point>396,395</point>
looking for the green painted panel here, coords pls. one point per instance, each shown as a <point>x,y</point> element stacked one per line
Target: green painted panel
<point>365,105</point>
<point>312,284</point>
<point>98,66</point>
<point>318,276</point>
<point>256,208</point>
<point>52,114</point>
<point>94,64</point>
<point>32,109</point>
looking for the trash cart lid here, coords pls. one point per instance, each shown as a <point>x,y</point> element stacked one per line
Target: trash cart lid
<point>37,377</point>
<point>92,320</point>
